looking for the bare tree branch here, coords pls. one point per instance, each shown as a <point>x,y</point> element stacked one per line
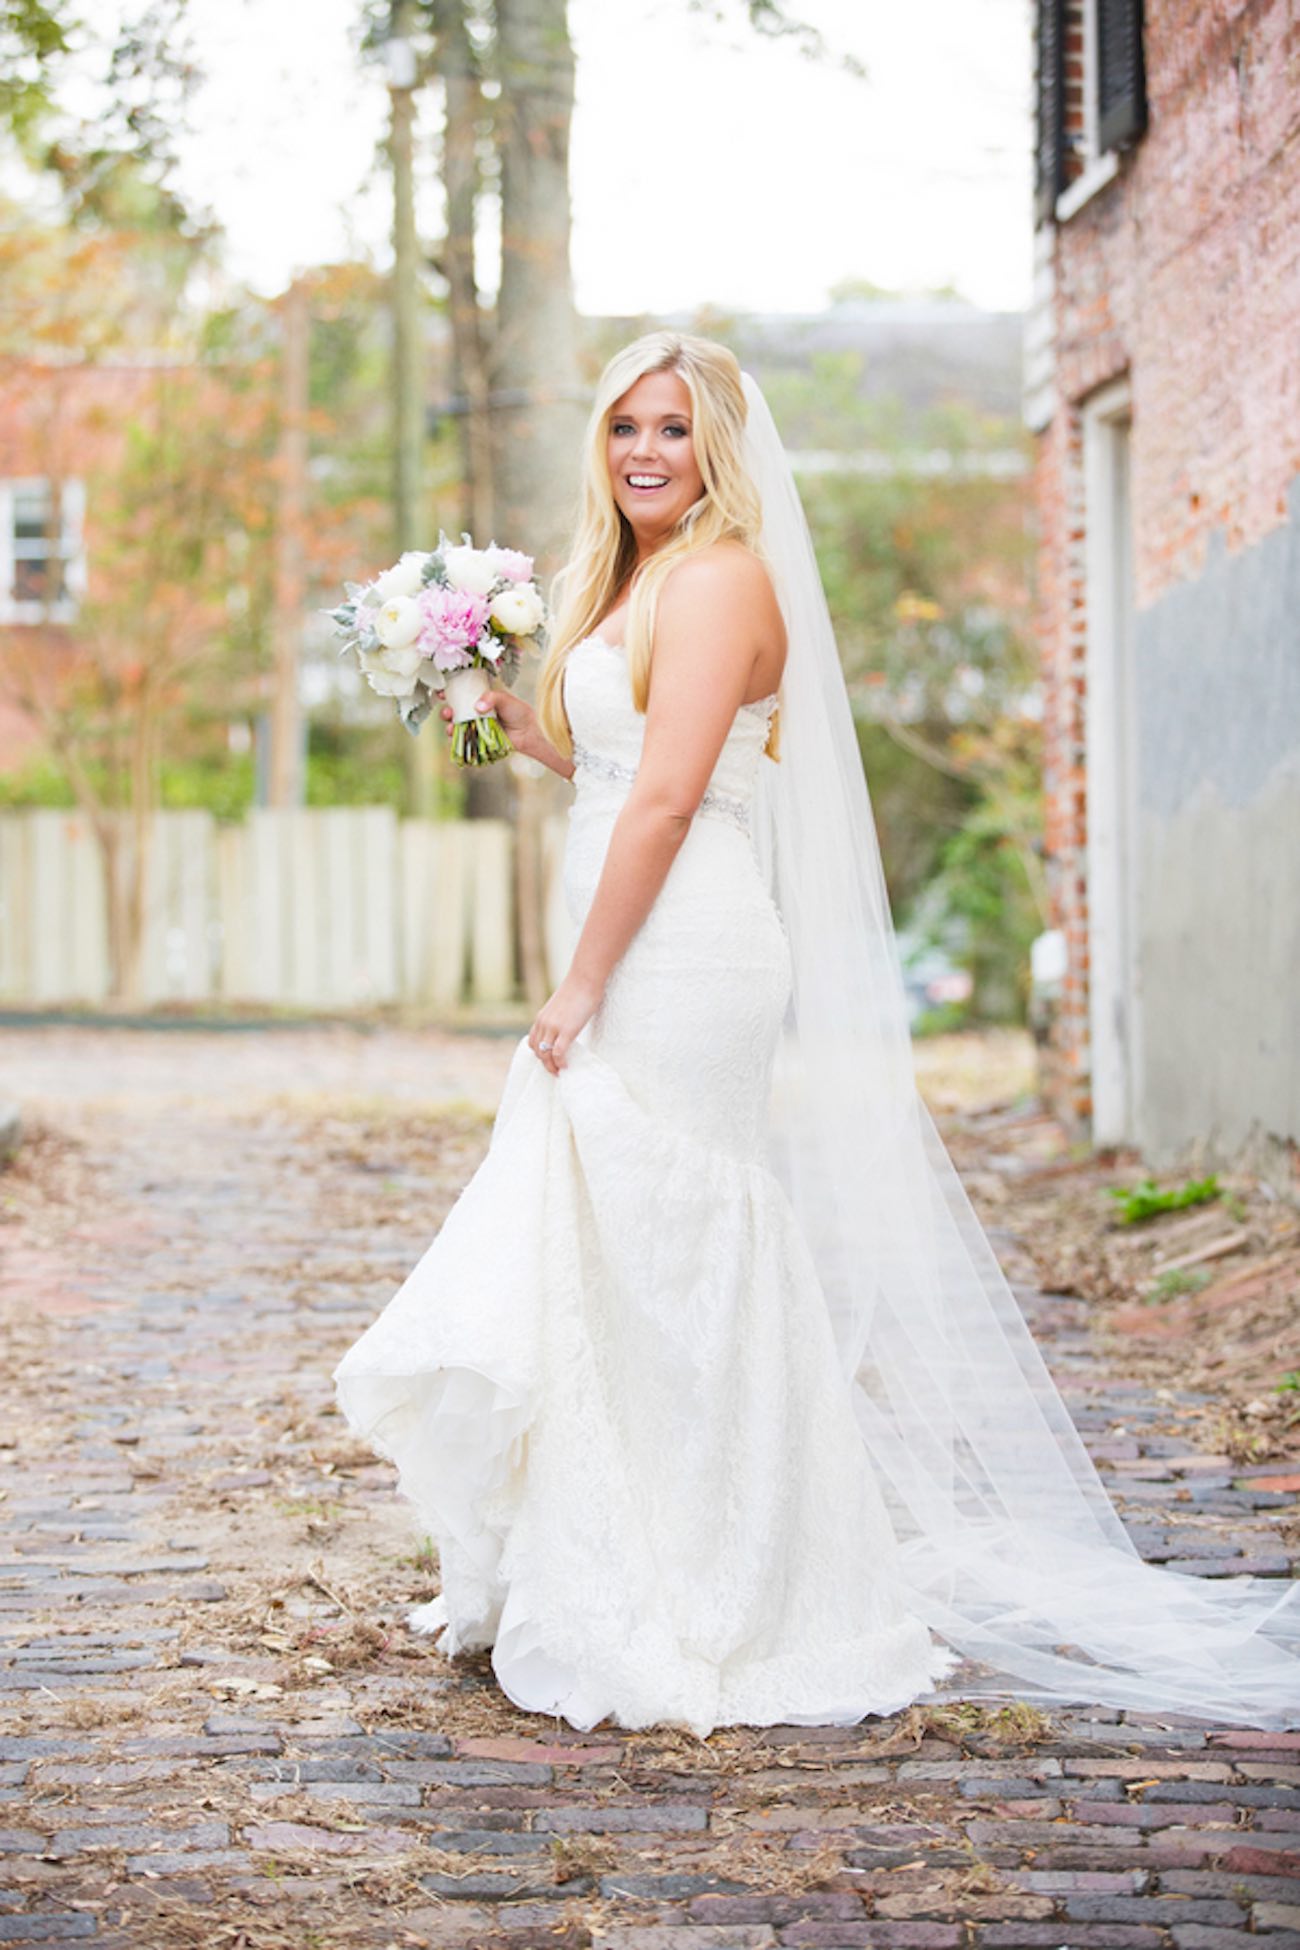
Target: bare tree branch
<point>775,22</point>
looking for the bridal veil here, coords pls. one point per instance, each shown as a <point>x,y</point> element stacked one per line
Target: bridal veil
<point>1011,1549</point>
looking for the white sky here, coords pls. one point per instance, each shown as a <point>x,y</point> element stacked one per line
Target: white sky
<point>708,166</point>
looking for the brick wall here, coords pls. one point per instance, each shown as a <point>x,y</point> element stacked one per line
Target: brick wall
<point>1184,274</point>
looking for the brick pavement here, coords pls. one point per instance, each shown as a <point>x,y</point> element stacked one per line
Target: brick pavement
<point>218,1731</point>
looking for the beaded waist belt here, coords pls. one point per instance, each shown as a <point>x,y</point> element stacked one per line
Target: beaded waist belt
<point>719,803</point>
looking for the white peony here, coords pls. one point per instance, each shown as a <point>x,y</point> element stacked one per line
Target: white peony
<point>405,578</point>
<point>510,563</point>
<point>393,673</point>
<point>398,623</point>
<point>469,570</point>
<point>518,611</point>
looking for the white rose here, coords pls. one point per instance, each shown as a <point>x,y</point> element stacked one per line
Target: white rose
<point>398,623</point>
<point>405,578</point>
<point>518,611</point>
<point>393,673</point>
<point>469,569</point>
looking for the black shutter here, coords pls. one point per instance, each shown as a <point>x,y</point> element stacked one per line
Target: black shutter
<point>1049,117</point>
<point>1121,73</point>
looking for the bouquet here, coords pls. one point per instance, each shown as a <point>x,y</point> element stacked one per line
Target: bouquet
<point>450,622</point>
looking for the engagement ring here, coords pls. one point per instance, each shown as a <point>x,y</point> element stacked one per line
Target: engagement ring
<point>546,1046</point>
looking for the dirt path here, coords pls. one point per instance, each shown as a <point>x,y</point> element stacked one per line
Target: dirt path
<point>219,1732</point>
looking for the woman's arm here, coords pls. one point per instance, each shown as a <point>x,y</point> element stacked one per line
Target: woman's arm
<point>715,615</point>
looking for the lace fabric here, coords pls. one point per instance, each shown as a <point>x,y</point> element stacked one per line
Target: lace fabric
<point>610,1385</point>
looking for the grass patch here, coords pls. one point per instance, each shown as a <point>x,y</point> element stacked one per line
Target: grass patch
<point>1146,1200</point>
<point>1177,1280</point>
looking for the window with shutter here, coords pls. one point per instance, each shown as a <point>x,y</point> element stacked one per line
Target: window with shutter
<point>1121,73</point>
<point>1049,158</point>
<point>1091,94</point>
<point>42,562</point>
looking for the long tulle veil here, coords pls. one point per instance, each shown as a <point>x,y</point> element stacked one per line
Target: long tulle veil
<point>1011,1549</point>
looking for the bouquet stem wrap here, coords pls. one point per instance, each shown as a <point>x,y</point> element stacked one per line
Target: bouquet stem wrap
<point>464,688</point>
<point>477,737</point>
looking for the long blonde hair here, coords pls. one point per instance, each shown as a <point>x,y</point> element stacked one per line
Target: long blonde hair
<point>603,558</point>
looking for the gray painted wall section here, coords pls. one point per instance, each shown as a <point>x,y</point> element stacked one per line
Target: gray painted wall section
<point>1218,721</point>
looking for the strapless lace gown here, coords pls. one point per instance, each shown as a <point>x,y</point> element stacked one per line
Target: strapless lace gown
<point>609,1385</point>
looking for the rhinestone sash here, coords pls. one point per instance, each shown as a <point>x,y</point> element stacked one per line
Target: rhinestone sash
<point>720,804</point>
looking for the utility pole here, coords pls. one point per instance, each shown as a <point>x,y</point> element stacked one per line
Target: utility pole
<point>285,780</point>
<point>408,355</point>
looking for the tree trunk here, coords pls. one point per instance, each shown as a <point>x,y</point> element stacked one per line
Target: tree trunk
<point>539,413</point>
<point>408,352</point>
<point>539,410</point>
<point>111,849</point>
<point>144,785</point>
<point>286,781</point>
<point>531,801</point>
<point>463,108</point>
<point>409,404</point>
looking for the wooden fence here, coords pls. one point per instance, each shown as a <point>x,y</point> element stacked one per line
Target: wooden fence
<point>341,907</point>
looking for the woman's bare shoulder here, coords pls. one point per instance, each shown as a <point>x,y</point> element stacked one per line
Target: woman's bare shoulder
<point>724,572</point>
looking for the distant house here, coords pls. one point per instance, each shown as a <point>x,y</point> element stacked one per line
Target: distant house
<point>1163,382</point>
<point>59,423</point>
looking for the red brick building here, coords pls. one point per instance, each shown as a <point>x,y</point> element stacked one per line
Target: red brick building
<point>60,424</point>
<point>1163,381</point>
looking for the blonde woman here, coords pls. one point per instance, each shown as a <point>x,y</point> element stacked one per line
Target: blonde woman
<point>607,1384</point>
<point>710,1390</point>
<point>665,572</point>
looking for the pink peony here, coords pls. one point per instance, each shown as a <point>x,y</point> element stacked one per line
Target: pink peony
<point>451,625</point>
<point>511,563</point>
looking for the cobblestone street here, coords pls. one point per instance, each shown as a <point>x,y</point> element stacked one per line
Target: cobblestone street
<point>219,1731</point>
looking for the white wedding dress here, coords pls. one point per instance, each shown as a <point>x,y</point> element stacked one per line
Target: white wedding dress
<point>611,1386</point>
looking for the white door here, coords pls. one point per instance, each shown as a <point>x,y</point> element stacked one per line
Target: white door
<point>1111,734</point>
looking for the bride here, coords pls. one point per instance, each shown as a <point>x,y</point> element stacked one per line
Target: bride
<point>710,1389</point>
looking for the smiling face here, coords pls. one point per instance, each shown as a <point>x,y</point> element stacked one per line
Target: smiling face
<point>651,454</point>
